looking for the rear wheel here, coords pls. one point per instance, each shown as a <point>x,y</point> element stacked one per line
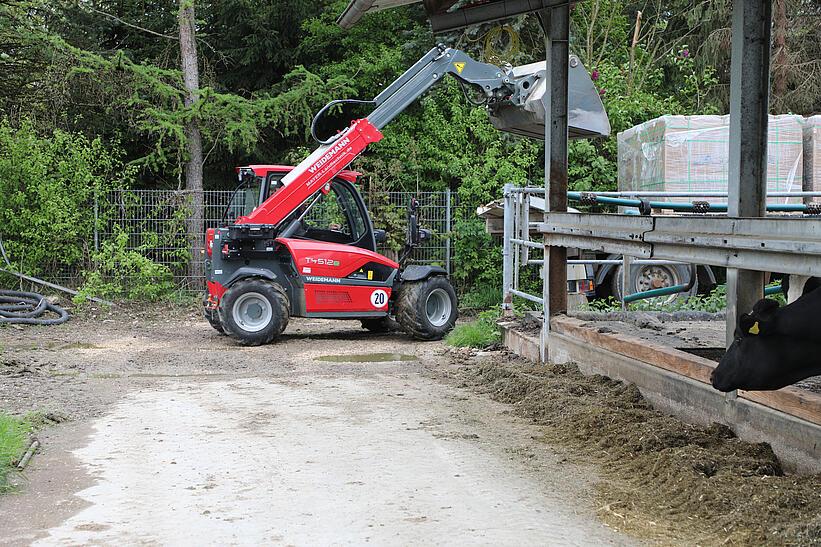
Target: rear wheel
<point>427,310</point>
<point>380,324</point>
<point>254,311</point>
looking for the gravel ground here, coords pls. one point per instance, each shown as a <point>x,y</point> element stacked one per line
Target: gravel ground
<point>173,434</point>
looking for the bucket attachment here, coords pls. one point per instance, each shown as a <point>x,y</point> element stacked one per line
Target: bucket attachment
<point>586,114</point>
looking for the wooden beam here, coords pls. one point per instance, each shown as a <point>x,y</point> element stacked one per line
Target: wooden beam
<point>796,402</point>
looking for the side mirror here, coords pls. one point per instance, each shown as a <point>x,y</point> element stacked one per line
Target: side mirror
<point>381,236</point>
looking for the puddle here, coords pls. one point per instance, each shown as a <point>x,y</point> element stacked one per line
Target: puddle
<point>76,345</point>
<point>367,358</point>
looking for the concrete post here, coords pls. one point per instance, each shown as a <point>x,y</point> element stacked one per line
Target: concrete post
<point>556,24</point>
<point>749,106</point>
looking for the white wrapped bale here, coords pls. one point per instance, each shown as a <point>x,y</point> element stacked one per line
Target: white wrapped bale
<point>812,155</point>
<point>691,154</point>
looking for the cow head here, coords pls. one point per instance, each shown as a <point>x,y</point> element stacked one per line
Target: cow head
<point>729,374</point>
<point>734,371</point>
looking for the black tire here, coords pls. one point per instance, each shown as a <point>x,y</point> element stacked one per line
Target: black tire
<point>213,320</point>
<point>412,311</point>
<point>672,274</point>
<point>262,303</point>
<point>380,324</point>
<point>211,316</point>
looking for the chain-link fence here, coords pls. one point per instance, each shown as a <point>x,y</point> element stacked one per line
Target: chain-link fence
<point>154,223</point>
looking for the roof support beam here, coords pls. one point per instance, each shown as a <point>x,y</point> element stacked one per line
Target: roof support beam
<point>749,106</point>
<point>491,11</point>
<point>556,24</point>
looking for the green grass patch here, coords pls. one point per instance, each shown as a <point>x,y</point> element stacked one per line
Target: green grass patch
<point>481,333</point>
<point>13,438</point>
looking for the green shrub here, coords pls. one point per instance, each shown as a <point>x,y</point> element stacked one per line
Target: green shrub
<point>47,189</point>
<point>482,298</point>
<point>123,273</point>
<point>481,333</point>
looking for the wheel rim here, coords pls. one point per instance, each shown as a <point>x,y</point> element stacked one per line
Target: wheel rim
<point>252,312</point>
<point>438,307</point>
<point>657,277</point>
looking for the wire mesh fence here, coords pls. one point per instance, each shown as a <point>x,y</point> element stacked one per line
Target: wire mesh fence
<point>154,223</point>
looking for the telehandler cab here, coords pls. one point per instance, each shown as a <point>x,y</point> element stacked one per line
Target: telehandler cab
<point>298,241</point>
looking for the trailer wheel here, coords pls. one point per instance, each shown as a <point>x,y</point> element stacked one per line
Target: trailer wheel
<point>647,277</point>
<point>427,309</point>
<point>380,324</point>
<point>254,311</point>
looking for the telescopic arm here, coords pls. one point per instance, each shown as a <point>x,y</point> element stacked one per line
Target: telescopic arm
<point>498,85</point>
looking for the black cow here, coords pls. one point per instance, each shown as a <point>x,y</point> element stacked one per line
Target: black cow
<point>773,347</point>
<point>766,362</point>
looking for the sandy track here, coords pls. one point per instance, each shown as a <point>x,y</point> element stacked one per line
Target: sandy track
<point>180,437</point>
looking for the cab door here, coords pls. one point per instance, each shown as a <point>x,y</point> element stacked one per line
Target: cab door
<point>340,217</point>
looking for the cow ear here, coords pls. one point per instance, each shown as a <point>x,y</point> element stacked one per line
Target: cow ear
<point>765,308</point>
<point>748,325</point>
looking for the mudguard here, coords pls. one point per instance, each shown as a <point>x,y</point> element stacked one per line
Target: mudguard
<point>416,272</point>
<point>247,271</point>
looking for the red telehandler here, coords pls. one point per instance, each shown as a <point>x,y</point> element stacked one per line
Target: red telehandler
<point>302,243</point>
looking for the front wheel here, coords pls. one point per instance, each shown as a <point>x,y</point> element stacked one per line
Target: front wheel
<point>254,311</point>
<point>427,310</point>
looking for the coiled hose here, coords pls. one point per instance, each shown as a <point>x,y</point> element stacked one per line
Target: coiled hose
<point>28,308</point>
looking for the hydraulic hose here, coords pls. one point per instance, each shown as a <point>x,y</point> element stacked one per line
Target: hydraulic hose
<point>325,109</point>
<point>696,207</point>
<point>28,308</point>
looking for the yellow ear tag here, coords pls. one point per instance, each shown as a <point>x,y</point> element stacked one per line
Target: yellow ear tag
<point>754,328</point>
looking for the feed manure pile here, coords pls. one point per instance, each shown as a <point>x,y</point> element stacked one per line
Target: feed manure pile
<point>660,478</point>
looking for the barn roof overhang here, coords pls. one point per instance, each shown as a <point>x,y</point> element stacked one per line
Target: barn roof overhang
<point>446,15</point>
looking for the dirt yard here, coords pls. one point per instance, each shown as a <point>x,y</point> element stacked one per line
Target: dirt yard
<point>169,433</point>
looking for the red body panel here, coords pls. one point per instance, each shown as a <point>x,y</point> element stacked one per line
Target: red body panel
<point>215,293</point>
<point>324,259</point>
<point>209,241</point>
<point>345,298</point>
<point>340,154</point>
<point>262,170</point>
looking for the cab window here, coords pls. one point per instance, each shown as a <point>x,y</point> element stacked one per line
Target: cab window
<point>244,200</point>
<point>335,217</point>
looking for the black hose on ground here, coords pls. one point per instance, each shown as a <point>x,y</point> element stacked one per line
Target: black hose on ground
<point>28,308</point>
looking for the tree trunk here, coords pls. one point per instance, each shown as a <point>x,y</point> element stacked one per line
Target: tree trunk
<point>193,168</point>
<point>781,59</point>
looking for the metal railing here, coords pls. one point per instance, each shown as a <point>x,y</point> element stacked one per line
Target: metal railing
<point>517,245</point>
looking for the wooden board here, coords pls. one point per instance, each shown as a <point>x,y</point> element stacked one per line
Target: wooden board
<point>793,401</point>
